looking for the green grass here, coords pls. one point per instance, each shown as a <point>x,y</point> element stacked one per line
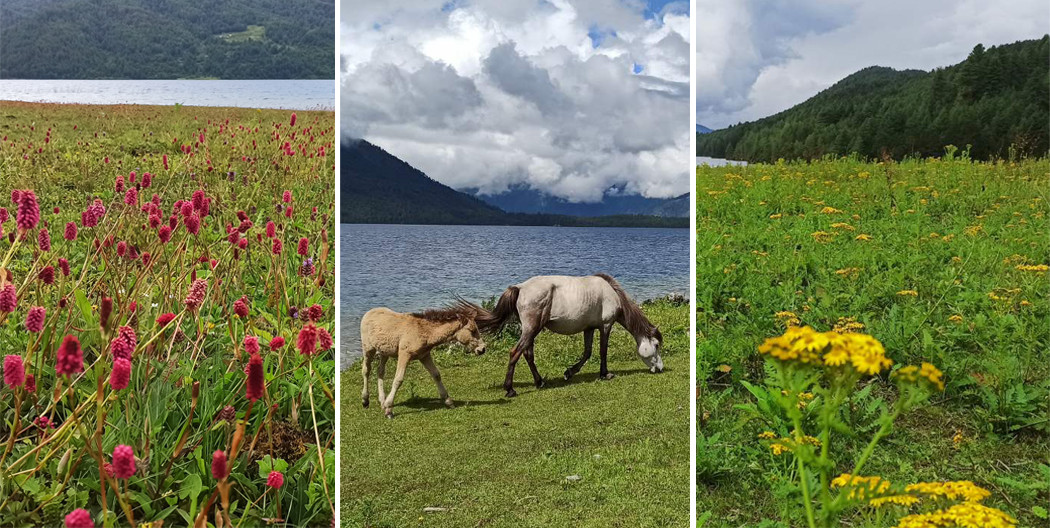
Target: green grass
<point>976,316</point>
<point>252,34</point>
<point>494,461</point>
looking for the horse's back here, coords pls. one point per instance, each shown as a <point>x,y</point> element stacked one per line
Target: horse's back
<point>380,328</point>
<point>576,303</point>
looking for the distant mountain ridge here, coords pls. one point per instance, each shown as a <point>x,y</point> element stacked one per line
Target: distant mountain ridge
<point>997,101</point>
<point>167,39</point>
<point>521,198</point>
<point>701,129</point>
<point>379,188</point>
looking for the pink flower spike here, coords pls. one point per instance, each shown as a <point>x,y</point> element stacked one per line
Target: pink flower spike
<point>79,518</point>
<point>35,319</point>
<point>123,461</point>
<point>275,480</point>
<point>14,371</point>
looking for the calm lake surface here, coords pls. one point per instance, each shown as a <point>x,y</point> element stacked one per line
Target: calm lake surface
<point>717,162</point>
<point>283,94</point>
<point>412,267</point>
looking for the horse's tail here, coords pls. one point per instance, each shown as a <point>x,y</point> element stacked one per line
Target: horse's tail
<point>490,322</point>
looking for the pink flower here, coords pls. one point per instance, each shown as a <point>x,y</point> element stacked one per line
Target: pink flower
<point>120,376</point>
<point>118,184</point>
<point>14,371</point>
<point>47,275</point>
<point>63,265</point>
<point>71,231</point>
<point>240,307</point>
<point>271,229</point>
<point>275,480</point>
<point>324,340</point>
<point>122,248</point>
<point>195,298</point>
<point>132,196</point>
<point>276,343</point>
<point>218,465</point>
<point>123,461</point>
<point>315,312</point>
<point>8,299</point>
<point>277,247</point>
<point>198,200</point>
<point>304,246</point>
<point>43,239</point>
<point>254,386</point>
<point>307,340</point>
<point>70,357</point>
<point>251,344</point>
<point>164,319</point>
<point>287,198</point>
<point>35,319</point>
<point>30,383</point>
<point>165,159</point>
<point>3,214</point>
<point>79,518</point>
<point>292,123</point>
<point>288,212</point>
<point>193,224</point>
<point>164,234</point>
<point>28,214</point>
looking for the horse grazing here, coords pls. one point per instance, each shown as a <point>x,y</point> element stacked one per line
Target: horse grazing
<point>567,306</point>
<point>386,334</point>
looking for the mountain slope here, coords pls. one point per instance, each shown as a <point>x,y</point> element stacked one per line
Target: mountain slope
<point>378,188</point>
<point>701,129</point>
<point>167,39</point>
<point>997,100</point>
<point>524,199</point>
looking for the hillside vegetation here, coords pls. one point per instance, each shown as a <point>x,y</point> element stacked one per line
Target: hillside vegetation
<point>167,39</point>
<point>997,100</point>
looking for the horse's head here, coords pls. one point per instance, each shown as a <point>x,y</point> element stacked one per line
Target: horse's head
<point>469,336</point>
<point>649,350</point>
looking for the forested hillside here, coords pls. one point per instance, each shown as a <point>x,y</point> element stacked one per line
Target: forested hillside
<point>167,39</point>
<point>379,188</point>
<point>997,101</point>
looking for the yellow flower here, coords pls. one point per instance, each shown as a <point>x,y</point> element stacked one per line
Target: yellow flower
<point>933,374</point>
<point>830,210</point>
<point>956,319</point>
<point>966,514</point>
<point>908,293</point>
<point>767,435</point>
<point>900,500</point>
<point>862,237</point>
<point>842,225</point>
<point>778,448</point>
<point>960,489</point>
<point>822,236</point>
<point>775,216</point>
<point>1038,268</point>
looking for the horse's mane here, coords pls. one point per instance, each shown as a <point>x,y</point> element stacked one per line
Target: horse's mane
<point>633,319</point>
<point>459,310</point>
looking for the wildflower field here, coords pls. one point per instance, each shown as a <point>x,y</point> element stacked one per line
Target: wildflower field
<point>166,290</point>
<point>873,346</point>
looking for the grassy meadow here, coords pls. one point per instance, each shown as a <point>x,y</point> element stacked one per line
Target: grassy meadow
<point>166,310</point>
<point>583,453</point>
<point>942,261</point>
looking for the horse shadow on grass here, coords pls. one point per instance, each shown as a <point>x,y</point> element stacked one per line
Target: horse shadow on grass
<point>418,404</point>
<point>552,381</point>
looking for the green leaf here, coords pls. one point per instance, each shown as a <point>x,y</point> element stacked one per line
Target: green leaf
<point>85,308</point>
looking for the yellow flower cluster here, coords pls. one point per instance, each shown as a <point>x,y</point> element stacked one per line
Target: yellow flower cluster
<point>965,515</point>
<point>830,210</point>
<point>956,319</point>
<point>767,435</point>
<point>842,225</point>
<point>822,236</point>
<point>908,293</point>
<point>862,488</point>
<point>789,319</point>
<point>959,489</point>
<point>900,500</point>
<point>1038,268</point>
<point>847,325</point>
<point>805,345</point>
<point>927,371</point>
<point>862,237</point>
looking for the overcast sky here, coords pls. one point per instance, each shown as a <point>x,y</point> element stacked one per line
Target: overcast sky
<point>757,57</point>
<point>571,97</point>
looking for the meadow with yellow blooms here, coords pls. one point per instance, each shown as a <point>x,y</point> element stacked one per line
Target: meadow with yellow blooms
<point>166,286</point>
<point>872,343</point>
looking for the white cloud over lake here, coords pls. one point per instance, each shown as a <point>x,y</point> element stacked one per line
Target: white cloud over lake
<point>758,57</point>
<point>571,97</point>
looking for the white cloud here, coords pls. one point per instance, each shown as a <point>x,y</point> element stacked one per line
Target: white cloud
<point>758,57</point>
<point>491,93</point>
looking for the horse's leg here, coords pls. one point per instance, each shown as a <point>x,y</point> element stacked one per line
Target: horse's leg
<point>399,376</point>
<point>588,343</point>
<point>508,382</point>
<point>603,351</point>
<point>428,363</point>
<point>366,370</point>
<point>380,374</point>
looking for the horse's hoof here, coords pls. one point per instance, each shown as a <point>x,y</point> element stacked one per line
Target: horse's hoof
<point>568,374</point>
<point>541,384</point>
<point>364,403</point>
<point>511,393</point>
<point>390,415</point>
<point>607,376</point>
<point>450,404</point>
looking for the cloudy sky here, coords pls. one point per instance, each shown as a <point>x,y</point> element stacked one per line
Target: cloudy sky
<point>570,97</point>
<point>757,57</point>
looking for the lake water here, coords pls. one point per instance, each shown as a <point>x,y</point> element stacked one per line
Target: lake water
<point>717,162</point>
<point>282,94</point>
<point>413,267</point>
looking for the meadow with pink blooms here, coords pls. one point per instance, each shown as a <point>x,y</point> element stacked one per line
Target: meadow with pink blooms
<point>166,316</point>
